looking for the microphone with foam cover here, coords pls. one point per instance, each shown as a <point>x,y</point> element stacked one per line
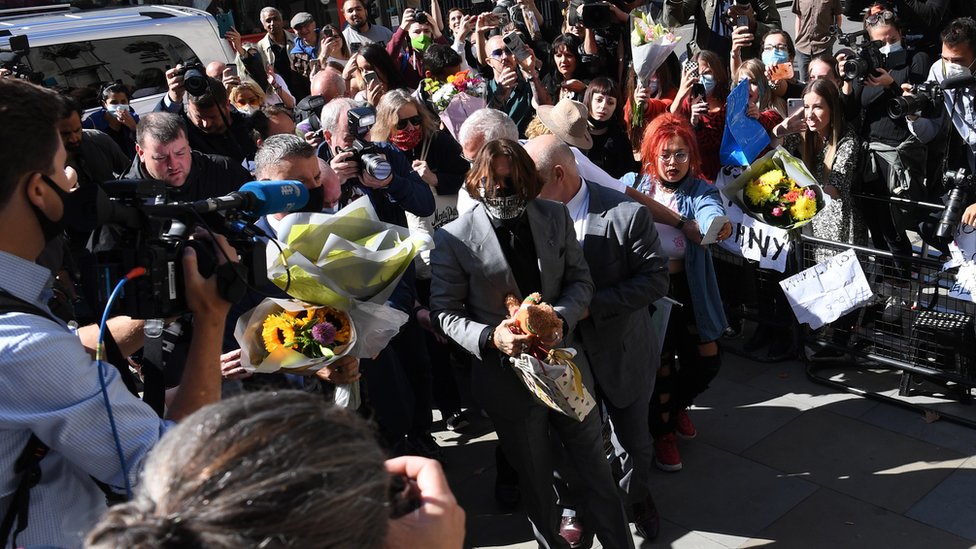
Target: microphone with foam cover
<point>259,198</point>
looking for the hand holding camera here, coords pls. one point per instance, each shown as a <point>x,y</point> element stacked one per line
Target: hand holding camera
<point>174,81</point>
<point>203,296</point>
<point>438,523</point>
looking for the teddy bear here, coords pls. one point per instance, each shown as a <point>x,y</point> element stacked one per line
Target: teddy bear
<point>538,319</point>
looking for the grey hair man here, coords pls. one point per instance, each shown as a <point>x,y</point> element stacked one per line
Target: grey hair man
<point>287,157</point>
<point>630,273</point>
<point>483,126</point>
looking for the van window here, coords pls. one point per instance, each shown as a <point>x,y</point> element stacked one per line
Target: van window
<point>80,69</point>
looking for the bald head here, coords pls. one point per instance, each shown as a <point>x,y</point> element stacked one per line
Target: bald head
<point>556,164</point>
<point>215,69</point>
<point>329,84</point>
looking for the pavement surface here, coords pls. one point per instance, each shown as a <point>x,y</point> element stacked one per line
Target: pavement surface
<point>779,461</point>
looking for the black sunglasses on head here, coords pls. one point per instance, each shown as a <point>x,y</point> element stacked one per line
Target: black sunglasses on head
<point>415,120</point>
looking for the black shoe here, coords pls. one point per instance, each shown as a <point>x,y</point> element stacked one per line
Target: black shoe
<point>646,519</point>
<point>457,422</point>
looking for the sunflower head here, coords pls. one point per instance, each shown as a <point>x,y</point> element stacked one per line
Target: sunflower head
<point>278,331</point>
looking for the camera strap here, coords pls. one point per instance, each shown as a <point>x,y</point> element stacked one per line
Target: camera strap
<point>28,464</point>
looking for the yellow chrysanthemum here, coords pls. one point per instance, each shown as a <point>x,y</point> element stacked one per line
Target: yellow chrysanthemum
<point>758,193</point>
<point>450,79</point>
<point>277,331</point>
<point>804,208</point>
<point>773,178</point>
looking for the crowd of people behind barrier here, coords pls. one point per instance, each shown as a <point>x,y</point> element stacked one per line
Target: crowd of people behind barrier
<point>576,177</point>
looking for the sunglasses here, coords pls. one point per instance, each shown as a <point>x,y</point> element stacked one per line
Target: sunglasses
<point>880,17</point>
<point>413,121</point>
<point>499,53</point>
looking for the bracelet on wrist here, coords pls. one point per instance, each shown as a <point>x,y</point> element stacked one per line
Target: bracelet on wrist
<point>681,223</point>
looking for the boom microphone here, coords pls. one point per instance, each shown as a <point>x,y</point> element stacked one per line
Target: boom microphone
<point>958,81</point>
<point>258,198</point>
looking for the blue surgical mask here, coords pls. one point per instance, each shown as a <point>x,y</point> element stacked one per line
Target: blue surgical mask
<point>774,57</point>
<point>708,81</point>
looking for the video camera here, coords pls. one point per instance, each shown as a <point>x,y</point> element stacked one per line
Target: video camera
<point>868,57</point>
<point>154,233</point>
<point>595,14</point>
<point>195,79</point>
<point>960,185</point>
<point>366,154</point>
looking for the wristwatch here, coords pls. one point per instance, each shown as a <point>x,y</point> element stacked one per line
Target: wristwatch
<point>681,222</point>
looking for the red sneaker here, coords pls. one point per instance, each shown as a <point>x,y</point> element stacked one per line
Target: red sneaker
<point>666,455</point>
<point>683,427</point>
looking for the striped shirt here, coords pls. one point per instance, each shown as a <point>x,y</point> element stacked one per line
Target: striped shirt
<point>50,387</point>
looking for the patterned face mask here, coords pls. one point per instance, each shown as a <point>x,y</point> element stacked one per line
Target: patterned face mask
<point>502,207</point>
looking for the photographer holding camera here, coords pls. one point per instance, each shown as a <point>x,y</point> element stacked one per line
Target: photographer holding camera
<point>54,404</point>
<point>894,161</point>
<point>416,32</point>
<point>213,127</point>
<point>958,58</point>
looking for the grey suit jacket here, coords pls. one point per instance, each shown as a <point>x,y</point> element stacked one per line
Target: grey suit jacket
<point>630,272</point>
<point>470,276</point>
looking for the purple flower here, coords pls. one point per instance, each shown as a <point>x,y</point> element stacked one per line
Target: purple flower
<point>324,333</point>
<point>810,194</point>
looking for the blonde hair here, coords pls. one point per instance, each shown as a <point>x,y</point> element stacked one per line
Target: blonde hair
<point>246,85</point>
<point>388,114</point>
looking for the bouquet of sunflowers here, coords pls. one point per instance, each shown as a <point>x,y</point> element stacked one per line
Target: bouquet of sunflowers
<point>778,190</point>
<point>456,99</point>
<point>295,336</point>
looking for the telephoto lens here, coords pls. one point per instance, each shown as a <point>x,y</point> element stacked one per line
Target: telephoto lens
<point>376,165</point>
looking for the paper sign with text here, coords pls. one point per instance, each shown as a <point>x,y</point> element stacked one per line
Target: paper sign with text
<point>755,240</point>
<point>825,292</point>
<point>963,250</point>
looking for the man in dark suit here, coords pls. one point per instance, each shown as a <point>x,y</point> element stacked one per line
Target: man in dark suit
<point>511,243</point>
<point>629,273</point>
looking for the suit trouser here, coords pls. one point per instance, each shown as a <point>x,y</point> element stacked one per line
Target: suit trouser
<point>523,426</point>
<point>632,444</point>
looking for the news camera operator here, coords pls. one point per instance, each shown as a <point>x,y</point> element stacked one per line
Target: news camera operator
<point>51,386</point>
<point>213,127</point>
<point>894,161</point>
<point>958,58</point>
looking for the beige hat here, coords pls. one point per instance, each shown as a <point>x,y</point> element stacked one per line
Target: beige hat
<point>301,18</point>
<point>567,121</point>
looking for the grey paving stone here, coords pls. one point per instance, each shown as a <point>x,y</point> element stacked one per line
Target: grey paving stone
<point>853,457</point>
<point>912,423</point>
<point>831,519</point>
<point>719,492</point>
<point>733,416</point>
<point>951,506</point>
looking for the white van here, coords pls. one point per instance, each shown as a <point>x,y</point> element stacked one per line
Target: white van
<point>77,52</point>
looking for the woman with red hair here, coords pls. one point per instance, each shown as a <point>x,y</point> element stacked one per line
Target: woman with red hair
<point>671,161</point>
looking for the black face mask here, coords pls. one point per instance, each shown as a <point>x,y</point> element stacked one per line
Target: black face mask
<point>676,184</point>
<point>52,229</point>
<point>316,200</point>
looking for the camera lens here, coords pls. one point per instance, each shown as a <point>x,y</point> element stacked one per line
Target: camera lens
<point>376,166</point>
<point>195,82</point>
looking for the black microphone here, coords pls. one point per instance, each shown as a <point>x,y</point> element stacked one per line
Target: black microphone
<point>959,81</point>
<point>258,198</point>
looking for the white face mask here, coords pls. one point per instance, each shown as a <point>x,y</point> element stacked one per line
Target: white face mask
<point>116,109</point>
<point>953,69</point>
<point>248,109</point>
<point>891,48</point>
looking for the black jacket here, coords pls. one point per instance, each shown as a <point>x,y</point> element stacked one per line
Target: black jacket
<point>234,143</point>
<point>210,176</point>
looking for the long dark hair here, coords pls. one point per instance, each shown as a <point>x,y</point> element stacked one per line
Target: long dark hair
<point>383,64</point>
<point>525,178</point>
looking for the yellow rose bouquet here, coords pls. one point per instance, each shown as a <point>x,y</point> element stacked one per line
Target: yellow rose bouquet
<point>778,190</point>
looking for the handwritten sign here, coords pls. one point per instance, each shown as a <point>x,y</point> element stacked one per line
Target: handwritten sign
<point>825,292</point>
<point>963,251</point>
<point>755,240</point>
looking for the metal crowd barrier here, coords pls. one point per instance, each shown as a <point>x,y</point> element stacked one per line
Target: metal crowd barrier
<point>913,326</point>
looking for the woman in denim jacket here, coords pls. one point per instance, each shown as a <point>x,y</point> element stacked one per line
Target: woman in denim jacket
<point>670,161</point>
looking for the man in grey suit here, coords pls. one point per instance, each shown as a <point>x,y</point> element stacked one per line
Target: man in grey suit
<point>629,272</point>
<point>487,253</point>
